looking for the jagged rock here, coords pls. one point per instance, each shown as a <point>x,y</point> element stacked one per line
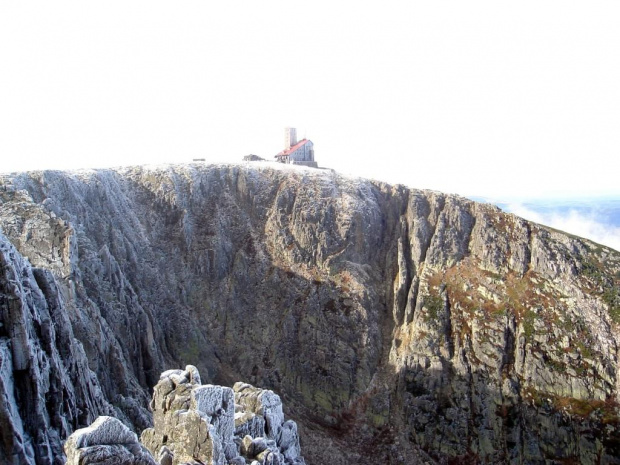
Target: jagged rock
<point>218,404</point>
<point>260,415</point>
<point>195,423</point>
<point>106,442</point>
<point>261,402</point>
<point>180,434</point>
<point>165,456</point>
<point>249,424</point>
<point>46,387</point>
<point>288,441</point>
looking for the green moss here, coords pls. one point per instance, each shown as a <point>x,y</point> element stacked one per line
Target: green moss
<point>614,313</point>
<point>501,310</point>
<point>434,305</point>
<point>528,323</point>
<point>585,349</point>
<point>611,296</point>
<point>378,420</point>
<point>556,366</point>
<point>593,270</point>
<point>323,401</point>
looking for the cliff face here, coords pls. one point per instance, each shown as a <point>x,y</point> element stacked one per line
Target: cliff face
<point>391,321</point>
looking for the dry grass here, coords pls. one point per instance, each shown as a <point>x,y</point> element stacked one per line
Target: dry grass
<point>606,411</point>
<point>476,293</point>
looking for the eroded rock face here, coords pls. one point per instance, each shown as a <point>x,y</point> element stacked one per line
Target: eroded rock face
<point>46,387</point>
<point>390,320</point>
<point>207,424</point>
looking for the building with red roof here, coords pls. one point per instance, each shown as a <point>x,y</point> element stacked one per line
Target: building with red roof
<point>296,153</point>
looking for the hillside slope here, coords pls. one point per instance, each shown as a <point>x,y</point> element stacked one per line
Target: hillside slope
<point>390,320</point>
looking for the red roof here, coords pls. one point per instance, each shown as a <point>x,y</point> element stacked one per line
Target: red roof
<point>292,149</point>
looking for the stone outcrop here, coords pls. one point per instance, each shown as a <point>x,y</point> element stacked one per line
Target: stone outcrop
<point>216,425</point>
<point>106,442</point>
<point>194,424</point>
<point>392,321</point>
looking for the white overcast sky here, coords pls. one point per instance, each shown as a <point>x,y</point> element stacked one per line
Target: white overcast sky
<point>500,99</point>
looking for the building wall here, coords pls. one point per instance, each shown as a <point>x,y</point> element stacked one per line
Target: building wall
<point>303,153</point>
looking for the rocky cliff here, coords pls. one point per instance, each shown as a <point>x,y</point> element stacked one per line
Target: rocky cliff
<point>396,324</point>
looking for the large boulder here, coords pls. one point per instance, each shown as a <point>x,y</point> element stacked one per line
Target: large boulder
<point>106,442</point>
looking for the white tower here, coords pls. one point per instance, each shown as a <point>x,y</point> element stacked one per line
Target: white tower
<point>290,137</point>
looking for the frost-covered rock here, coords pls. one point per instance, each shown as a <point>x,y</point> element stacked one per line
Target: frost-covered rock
<point>182,434</point>
<point>196,424</point>
<point>46,387</point>
<point>259,415</point>
<point>106,442</point>
<point>262,402</point>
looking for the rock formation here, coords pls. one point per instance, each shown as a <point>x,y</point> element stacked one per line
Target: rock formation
<point>195,424</point>
<point>395,323</point>
<point>106,442</point>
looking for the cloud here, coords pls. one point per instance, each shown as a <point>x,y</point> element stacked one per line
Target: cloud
<point>588,224</point>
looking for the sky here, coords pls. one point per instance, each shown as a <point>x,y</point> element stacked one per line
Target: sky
<point>584,221</point>
<point>497,99</point>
